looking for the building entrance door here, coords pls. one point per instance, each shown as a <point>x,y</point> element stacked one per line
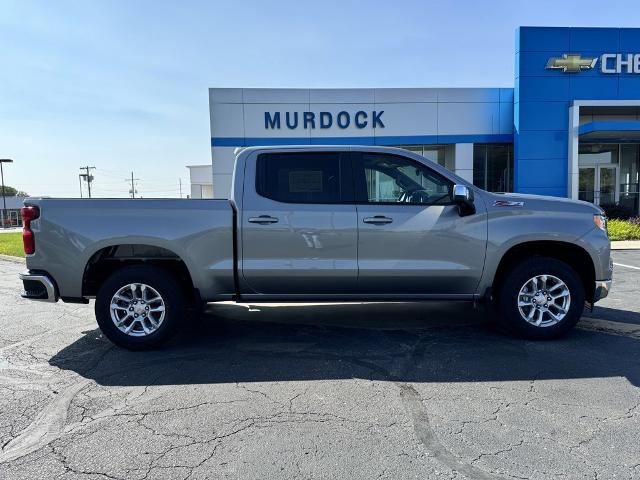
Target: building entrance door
<point>599,184</point>
<point>14,218</point>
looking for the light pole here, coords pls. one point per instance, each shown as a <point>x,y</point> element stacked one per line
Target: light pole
<point>4,199</point>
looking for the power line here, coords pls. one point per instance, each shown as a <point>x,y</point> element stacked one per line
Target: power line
<point>116,174</point>
<point>109,181</point>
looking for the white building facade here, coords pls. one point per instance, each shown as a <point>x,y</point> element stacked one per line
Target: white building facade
<point>441,124</point>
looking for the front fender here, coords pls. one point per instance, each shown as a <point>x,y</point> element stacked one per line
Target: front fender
<point>510,228</point>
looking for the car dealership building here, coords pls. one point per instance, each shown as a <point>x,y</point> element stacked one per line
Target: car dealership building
<point>570,127</point>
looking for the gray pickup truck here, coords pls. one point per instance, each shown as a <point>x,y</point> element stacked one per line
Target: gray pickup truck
<point>336,223</point>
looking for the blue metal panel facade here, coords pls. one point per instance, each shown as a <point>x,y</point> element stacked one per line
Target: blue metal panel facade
<point>542,97</point>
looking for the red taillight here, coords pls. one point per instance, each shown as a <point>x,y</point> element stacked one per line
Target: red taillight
<point>28,239</point>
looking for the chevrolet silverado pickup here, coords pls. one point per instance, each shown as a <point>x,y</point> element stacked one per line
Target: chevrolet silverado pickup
<point>315,223</point>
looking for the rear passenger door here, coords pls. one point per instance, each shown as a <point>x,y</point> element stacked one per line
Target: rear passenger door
<point>299,224</point>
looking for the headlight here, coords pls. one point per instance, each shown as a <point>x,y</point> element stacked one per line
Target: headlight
<point>601,221</point>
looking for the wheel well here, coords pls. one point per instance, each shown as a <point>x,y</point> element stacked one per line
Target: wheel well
<point>574,256</point>
<point>106,261</point>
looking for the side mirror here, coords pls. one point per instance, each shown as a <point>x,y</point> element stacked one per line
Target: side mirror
<point>463,197</point>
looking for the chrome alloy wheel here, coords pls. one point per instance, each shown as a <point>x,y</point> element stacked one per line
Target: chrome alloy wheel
<point>137,309</point>
<point>544,300</point>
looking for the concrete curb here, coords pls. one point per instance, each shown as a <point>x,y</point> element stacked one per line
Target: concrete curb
<point>626,245</point>
<point>9,258</point>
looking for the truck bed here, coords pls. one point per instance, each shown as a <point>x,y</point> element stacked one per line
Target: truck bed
<point>70,232</point>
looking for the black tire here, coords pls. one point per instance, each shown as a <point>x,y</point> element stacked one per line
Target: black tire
<point>157,278</point>
<point>507,299</point>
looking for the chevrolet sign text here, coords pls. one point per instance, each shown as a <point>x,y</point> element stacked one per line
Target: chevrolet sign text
<point>620,63</point>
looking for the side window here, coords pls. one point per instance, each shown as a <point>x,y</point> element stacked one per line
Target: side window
<point>299,177</point>
<point>394,179</point>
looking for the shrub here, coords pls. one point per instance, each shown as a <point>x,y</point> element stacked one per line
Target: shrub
<point>624,230</point>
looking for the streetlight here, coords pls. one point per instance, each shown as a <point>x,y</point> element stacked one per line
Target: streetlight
<point>4,200</point>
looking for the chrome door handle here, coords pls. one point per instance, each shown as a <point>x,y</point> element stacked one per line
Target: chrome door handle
<point>263,219</point>
<point>377,220</point>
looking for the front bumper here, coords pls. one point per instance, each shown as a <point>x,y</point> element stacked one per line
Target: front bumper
<point>602,289</point>
<point>38,286</point>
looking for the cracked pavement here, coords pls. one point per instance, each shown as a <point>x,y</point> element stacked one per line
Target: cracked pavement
<point>405,390</point>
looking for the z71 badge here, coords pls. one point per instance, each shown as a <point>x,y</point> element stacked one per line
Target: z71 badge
<point>507,203</point>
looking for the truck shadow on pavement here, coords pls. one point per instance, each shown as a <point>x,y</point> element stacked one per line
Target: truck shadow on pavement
<point>614,315</point>
<point>407,342</point>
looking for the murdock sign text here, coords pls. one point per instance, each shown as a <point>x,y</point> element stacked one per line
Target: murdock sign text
<point>312,120</point>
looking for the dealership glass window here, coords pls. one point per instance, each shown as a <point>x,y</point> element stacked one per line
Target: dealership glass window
<point>394,179</point>
<point>587,184</point>
<point>319,177</point>
<point>435,153</point>
<point>629,176</point>
<point>493,167</point>
<point>598,153</point>
<point>595,157</point>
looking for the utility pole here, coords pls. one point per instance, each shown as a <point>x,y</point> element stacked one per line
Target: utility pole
<point>80,182</point>
<point>4,200</point>
<point>133,185</point>
<point>180,180</point>
<point>88,177</point>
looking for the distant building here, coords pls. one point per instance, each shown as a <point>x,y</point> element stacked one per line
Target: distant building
<point>12,218</point>
<point>201,181</point>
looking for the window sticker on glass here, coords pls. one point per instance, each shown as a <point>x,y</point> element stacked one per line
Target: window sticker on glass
<point>305,181</point>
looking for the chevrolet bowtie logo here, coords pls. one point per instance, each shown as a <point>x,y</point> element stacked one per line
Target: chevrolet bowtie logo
<point>571,63</point>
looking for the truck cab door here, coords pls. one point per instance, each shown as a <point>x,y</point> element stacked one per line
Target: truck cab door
<point>298,224</point>
<point>412,240</point>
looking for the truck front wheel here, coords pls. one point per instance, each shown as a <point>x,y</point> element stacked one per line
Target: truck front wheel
<point>139,307</point>
<point>540,298</point>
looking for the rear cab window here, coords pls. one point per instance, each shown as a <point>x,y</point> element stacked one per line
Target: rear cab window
<point>305,177</point>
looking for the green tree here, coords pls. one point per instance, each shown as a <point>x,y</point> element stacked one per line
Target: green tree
<point>12,192</point>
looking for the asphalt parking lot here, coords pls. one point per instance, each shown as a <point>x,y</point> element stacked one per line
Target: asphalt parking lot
<point>332,391</point>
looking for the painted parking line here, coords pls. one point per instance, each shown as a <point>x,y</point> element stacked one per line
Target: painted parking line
<point>613,328</point>
<point>625,266</point>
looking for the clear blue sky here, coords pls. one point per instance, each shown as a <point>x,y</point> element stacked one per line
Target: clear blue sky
<point>122,85</point>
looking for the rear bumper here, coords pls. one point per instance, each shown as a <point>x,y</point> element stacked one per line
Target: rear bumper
<point>602,289</point>
<point>38,286</point>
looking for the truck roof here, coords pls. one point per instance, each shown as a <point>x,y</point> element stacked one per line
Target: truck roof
<point>355,147</point>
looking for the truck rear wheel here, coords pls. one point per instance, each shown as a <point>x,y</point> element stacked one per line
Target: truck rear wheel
<point>139,307</point>
<point>540,298</point>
